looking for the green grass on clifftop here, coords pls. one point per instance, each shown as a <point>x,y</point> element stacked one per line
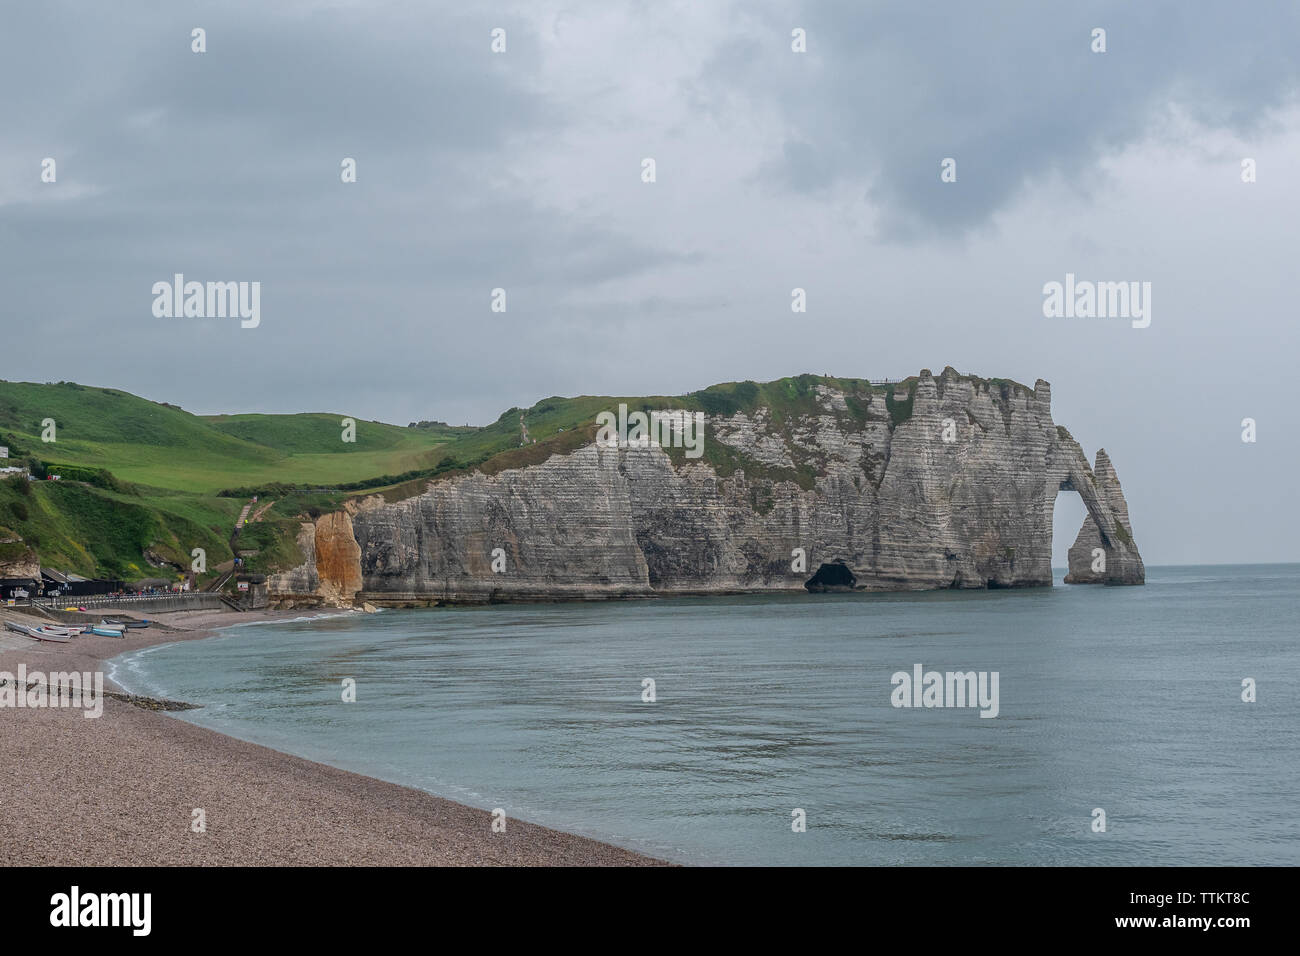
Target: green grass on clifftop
<point>163,446</point>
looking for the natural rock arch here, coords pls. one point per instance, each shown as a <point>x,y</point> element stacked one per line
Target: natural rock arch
<point>1106,526</point>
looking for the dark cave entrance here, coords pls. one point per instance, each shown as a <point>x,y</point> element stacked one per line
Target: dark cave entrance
<point>835,576</point>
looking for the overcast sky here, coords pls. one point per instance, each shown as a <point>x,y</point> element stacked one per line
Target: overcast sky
<point>774,170</point>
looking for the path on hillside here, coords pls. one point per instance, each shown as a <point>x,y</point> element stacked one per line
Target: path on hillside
<point>221,580</point>
<point>224,578</point>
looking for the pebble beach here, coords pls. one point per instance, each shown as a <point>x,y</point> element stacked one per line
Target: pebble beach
<point>121,789</point>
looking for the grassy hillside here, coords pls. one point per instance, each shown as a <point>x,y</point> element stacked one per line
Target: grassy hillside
<point>311,433</point>
<point>164,447</point>
<point>142,478</point>
<point>93,532</point>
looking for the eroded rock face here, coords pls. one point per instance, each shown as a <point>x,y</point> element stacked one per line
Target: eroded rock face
<point>338,562</point>
<point>959,493</point>
<point>301,585</point>
<point>24,565</point>
<point>331,572</point>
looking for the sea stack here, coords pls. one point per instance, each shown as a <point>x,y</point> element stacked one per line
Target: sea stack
<point>1106,554</point>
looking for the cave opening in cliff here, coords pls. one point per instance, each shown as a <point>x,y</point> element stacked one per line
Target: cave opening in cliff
<point>833,576</point>
<point>1067,517</point>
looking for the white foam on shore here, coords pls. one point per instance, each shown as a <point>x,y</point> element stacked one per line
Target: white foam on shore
<point>293,620</point>
<point>130,662</point>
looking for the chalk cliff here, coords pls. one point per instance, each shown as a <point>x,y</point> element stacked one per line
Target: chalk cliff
<point>936,482</point>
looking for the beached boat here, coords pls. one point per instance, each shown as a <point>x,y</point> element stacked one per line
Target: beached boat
<point>65,630</point>
<point>103,630</point>
<point>39,633</point>
<point>113,622</point>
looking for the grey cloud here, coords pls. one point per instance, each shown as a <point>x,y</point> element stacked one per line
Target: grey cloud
<point>1011,90</point>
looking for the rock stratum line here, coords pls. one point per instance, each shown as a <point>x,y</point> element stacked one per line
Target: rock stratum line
<point>863,483</point>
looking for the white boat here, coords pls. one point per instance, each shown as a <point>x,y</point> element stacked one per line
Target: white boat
<point>39,633</point>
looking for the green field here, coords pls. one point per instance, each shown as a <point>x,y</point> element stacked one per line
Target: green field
<point>143,478</point>
<point>165,447</point>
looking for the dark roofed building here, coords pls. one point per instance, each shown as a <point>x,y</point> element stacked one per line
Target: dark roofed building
<point>75,585</point>
<point>18,589</point>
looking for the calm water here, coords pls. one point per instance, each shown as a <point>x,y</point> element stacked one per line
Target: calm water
<point>1127,699</point>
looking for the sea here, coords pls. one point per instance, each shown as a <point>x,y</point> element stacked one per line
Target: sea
<point>1153,725</point>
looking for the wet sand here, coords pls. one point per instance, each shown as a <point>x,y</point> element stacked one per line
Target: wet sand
<point>121,790</point>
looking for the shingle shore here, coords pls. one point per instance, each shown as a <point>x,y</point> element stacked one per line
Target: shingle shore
<point>120,790</point>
